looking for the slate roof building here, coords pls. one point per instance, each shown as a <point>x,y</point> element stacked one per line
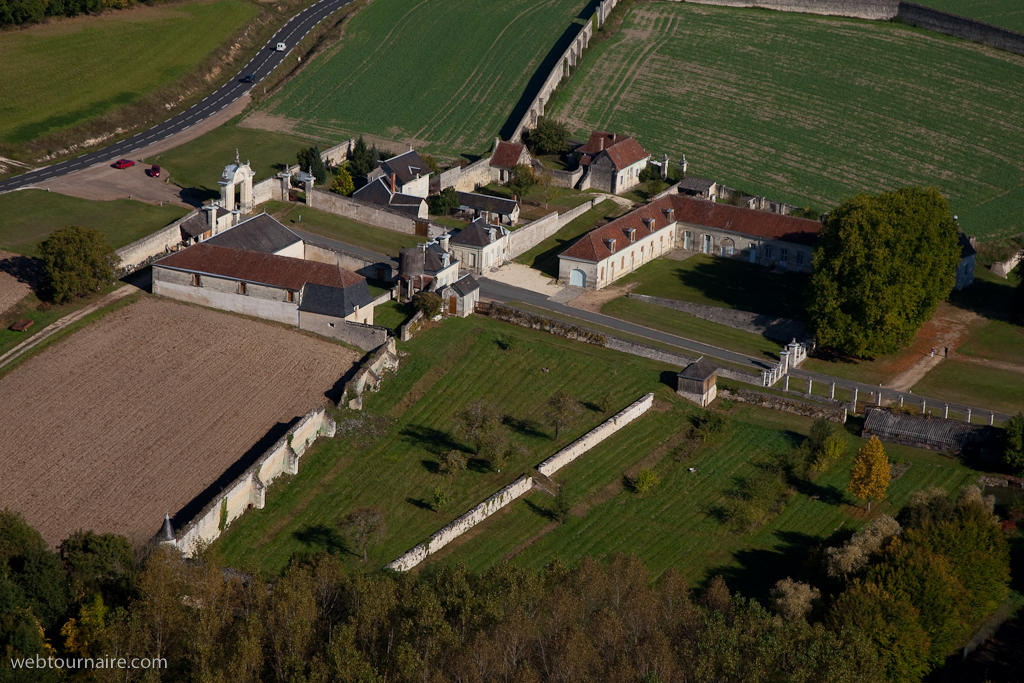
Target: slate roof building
<point>263,234</point>
<point>492,209</point>
<point>406,173</point>
<point>699,187</point>
<point>965,269</point>
<point>481,246</point>
<point>697,382</point>
<point>383,191</point>
<point>427,267</point>
<point>947,436</point>
<point>614,162</point>
<point>505,157</point>
<point>460,297</point>
<point>607,253</point>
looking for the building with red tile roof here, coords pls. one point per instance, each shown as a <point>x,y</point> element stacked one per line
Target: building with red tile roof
<point>505,157</point>
<point>609,252</point>
<point>614,162</point>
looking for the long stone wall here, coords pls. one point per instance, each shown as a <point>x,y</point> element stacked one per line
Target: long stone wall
<point>141,252</point>
<point>833,410</point>
<point>961,27</point>
<point>462,524</point>
<point>882,10</point>
<point>595,436</point>
<point>371,214</point>
<point>780,329</point>
<point>1004,268</point>
<point>525,238</point>
<point>249,489</point>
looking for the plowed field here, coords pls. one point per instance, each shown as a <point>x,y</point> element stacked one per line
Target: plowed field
<point>138,413</point>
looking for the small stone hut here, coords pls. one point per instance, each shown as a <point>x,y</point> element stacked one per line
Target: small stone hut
<point>697,382</point>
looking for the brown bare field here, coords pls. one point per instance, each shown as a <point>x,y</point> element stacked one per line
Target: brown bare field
<point>141,411</point>
<point>13,286</point>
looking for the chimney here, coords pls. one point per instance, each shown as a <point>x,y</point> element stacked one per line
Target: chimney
<point>211,217</point>
<point>392,183</point>
<point>601,144</point>
<point>613,137</point>
<point>443,241</point>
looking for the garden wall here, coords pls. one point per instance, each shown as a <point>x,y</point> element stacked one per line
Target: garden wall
<point>525,238</point>
<point>385,358</point>
<point>462,524</point>
<point>860,9</point>
<point>371,214</point>
<point>595,436</point>
<point>961,27</point>
<point>780,329</point>
<point>835,412</point>
<point>141,252</point>
<point>249,489</point>
<point>1003,268</point>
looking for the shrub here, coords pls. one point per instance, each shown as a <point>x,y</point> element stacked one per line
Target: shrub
<point>441,499</point>
<point>649,173</point>
<point>644,481</point>
<point>444,202</point>
<point>708,424</point>
<point>561,506</point>
<point>1013,443</point>
<point>427,303</point>
<point>342,184</point>
<point>831,451</point>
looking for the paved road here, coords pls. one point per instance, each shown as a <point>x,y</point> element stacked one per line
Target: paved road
<point>498,291</point>
<point>260,66</point>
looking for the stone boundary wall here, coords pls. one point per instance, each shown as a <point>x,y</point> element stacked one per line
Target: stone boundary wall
<point>351,260</point>
<point>359,335</point>
<point>882,10</point>
<point>533,233</point>
<point>384,359</point>
<point>249,489</point>
<point>462,524</point>
<point>961,27</point>
<point>142,252</point>
<point>371,214</point>
<point>595,436</point>
<point>1004,268</point>
<point>473,176</point>
<point>833,410</point>
<point>406,331</point>
<point>780,329</point>
<point>572,214</point>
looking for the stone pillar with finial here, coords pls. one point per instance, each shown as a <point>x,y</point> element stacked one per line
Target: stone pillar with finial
<point>664,167</point>
<point>683,165</point>
<point>166,536</point>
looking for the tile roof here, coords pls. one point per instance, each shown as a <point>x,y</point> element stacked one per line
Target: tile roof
<point>599,141</point>
<point>622,150</point>
<point>256,267</point>
<point>261,233</point>
<point>506,154</point>
<point>487,202</point>
<point>594,245</point>
<point>476,234</point>
<point>340,302</point>
<point>406,166</point>
<point>699,369</point>
<point>696,184</point>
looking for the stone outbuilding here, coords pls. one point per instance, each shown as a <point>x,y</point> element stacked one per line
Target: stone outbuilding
<point>407,174</point>
<point>613,162</point>
<point>697,382</point>
<point>481,247</point>
<point>497,210</point>
<point>460,297</point>
<point>506,156</point>
<point>702,188</point>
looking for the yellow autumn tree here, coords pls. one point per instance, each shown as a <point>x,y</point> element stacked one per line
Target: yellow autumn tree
<point>870,476</point>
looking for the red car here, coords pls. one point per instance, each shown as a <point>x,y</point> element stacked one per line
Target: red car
<point>124,163</point>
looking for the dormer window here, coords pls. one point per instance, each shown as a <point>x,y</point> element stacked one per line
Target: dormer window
<point>649,223</point>
<point>610,243</point>
<point>631,234</point>
<point>669,213</point>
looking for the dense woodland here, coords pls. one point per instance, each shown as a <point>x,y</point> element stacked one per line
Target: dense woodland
<point>890,602</point>
<point>18,12</point>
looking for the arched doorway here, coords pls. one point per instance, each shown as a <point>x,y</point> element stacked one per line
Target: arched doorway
<point>577,278</point>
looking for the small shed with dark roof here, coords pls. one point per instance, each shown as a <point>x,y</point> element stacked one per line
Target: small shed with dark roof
<point>698,187</point>
<point>697,382</point>
<point>492,209</point>
<point>920,431</point>
<point>460,297</point>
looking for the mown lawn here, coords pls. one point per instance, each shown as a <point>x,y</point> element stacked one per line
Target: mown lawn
<point>544,255</point>
<point>975,384</point>
<point>1005,13</point>
<point>428,72</point>
<point>448,366</point>
<point>29,216</point>
<point>810,109</point>
<point>675,525</point>
<point>67,72</point>
<point>392,314</point>
<point>325,224</point>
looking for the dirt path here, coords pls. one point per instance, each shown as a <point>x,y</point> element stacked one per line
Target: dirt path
<point>104,182</point>
<point>593,300</point>
<point>518,275</point>
<point>948,328</point>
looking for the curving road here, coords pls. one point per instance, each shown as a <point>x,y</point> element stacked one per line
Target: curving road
<point>260,66</point>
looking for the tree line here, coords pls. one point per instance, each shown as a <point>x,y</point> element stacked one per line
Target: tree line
<point>19,12</point>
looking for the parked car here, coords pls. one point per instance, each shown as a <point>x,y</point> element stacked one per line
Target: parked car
<point>123,163</point>
<point>281,47</point>
<point>249,78</point>
<point>154,172</point>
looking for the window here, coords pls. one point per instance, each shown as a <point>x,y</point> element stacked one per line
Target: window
<point>330,324</point>
<point>730,250</point>
<point>767,251</point>
<point>623,264</point>
<point>289,296</point>
<point>602,273</point>
<point>799,258</point>
<point>783,254</point>
<point>195,280</point>
<point>241,288</point>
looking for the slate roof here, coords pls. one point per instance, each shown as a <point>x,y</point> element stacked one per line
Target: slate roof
<point>466,285</point>
<point>622,150</point>
<point>475,234</point>
<point>944,435</point>
<point>594,247</point>
<point>486,202</point>
<point>966,248</point>
<point>194,227</point>
<point>405,166</point>
<point>259,268</point>
<point>340,302</point>
<point>261,233</point>
<point>696,184</point>
<point>507,154</point>
<point>379,192</point>
<point>699,369</point>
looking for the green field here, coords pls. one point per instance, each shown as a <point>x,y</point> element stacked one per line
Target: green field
<point>1004,13</point>
<point>342,229</point>
<point>811,109</point>
<point>29,216</point>
<point>976,385</point>
<point>62,74</point>
<point>675,525</point>
<point>442,76</point>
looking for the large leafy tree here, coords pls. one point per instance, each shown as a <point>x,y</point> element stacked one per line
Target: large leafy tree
<point>870,476</point>
<point>881,268</point>
<point>549,137</point>
<point>76,261</point>
<point>1013,442</point>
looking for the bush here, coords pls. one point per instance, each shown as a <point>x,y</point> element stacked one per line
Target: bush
<point>1013,443</point>
<point>644,481</point>
<point>444,203</point>
<point>561,507</point>
<point>831,451</point>
<point>708,424</point>
<point>427,303</point>
<point>649,173</point>
<point>76,261</point>
<point>342,184</point>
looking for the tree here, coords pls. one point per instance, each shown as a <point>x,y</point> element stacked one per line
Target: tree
<point>444,202</point>
<point>881,267</point>
<point>548,137</point>
<point>649,173</point>
<point>452,462</point>
<point>431,162</point>
<point>311,160</point>
<point>365,525</point>
<point>441,498</point>
<point>870,476</point>
<point>561,507</point>
<point>1013,443</point>
<point>342,184</point>
<point>523,179</point>
<point>481,423</point>
<point>76,261</point>
<point>547,187</point>
<point>361,159</point>
<point>427,303</point>
<point>793,600</point>
<point>644,481</point>
<point>564,412</point>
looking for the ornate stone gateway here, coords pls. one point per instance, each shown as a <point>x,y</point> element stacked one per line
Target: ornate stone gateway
<point>236,174</point>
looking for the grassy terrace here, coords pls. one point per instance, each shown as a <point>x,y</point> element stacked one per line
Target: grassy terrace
<point>544,256</point>
<point>443,89</point>
<point>841,106</point>
<point>1005,13</point>
<point>29,216</point>
<point>325,224</point>
<point>60,74</point>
